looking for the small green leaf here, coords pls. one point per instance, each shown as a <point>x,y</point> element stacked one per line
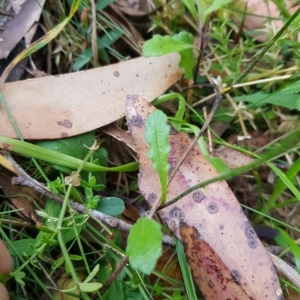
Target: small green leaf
<point>182,43</point>
<point>157,132</point>
<point>216,5</point>
<point>92,274</point>
<point>22,247</point>
<point>188,59</point>
<point>111,206</point>
<point>90,287</point>
<point>292,88</point>
<point>19,275</point>
<point>144,245</point>
<point>92,181</point>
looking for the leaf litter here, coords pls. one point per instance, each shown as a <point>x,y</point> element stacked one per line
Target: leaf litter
<point>213,211</point>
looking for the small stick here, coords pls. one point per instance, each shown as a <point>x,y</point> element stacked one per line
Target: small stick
<point>203,129</point>
<point>114,275</point>
<point>105,219</point>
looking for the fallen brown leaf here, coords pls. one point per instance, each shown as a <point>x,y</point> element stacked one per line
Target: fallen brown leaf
<point>213,211</point>
<point>59,106</point>
<point>211,275</point>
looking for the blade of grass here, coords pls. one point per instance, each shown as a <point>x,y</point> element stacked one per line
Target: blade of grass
<point>64,160</point>
<point>267,47</point>
<point>186,271</point>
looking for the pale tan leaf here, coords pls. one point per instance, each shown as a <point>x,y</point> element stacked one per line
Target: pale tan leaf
<point>60,106</point>
<point>213,211</point>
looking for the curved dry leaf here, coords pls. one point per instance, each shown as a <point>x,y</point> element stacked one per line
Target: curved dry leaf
<point>213,211</point>
<point>59,106</point>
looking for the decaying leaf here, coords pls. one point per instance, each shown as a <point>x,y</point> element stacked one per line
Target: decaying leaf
<point>60,106</point>
<point>210,273</point>
<point>213,211</point>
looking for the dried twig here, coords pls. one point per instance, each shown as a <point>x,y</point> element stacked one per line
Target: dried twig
<point>105,219</point>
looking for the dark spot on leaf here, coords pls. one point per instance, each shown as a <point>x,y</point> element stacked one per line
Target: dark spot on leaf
<point>67,124</point>
<point>252,243</point>
<point>182,223</point>
<point>131,97</point>
<point>249,231</point>
<point>116,74</point>
<point>64,134</point>
<point>176,213</point>
<point>199,235</point>
<point>236,276</point>
<point>151,197</point>
<point>212,207</point>
<point>198,196</point>
<point>137,121</point>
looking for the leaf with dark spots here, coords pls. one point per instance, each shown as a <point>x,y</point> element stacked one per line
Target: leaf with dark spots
<point>211,274</point>
<point>213,212</point>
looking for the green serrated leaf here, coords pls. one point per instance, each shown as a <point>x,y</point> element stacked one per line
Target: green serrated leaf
<point>292,88</point>
<point>144,245</point>
<point>111,206</point>
<point>157,132</point>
